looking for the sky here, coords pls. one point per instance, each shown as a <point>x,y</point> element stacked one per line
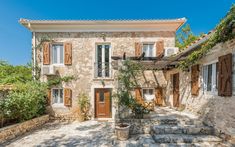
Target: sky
<point>15,40</point>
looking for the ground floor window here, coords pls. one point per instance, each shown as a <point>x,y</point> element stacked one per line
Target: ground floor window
<point>57,96</point>
<point>210,77</point>
<point>148,93</point>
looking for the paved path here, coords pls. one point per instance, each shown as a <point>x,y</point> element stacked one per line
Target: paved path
<point>96,134</point>
<point>89,133</point>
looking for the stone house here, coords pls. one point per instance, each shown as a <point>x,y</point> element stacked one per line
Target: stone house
<point>207,88</point>
<point>84,49</point>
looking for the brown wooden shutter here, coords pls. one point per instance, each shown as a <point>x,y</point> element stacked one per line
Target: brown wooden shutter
<point>46,53</point>
<point>68,53</point>
<point>225,75</point>
<point>138,95</point>
<point>158,96</point>
<point>67,97</point>
<point>159,48</point>
<point>195,80</point>
<point>49,97</point>
<point>138,49</point>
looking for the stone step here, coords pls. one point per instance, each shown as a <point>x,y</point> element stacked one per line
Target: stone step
<point>169,121</point>
<point>181,138</point>
<point>201,144</point>
<point>147,141</point>
<point>187,129</point>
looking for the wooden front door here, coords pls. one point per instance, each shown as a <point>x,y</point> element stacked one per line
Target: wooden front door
<point>176,93</point>
<point>102,103</point>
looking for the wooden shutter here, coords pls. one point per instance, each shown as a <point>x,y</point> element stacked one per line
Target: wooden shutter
<point>68,53</point>
<point>138,95</point>
<point>67,97</point>
<point>195,80</point>
<point>46,53</point>
<point>225,75</point>
<point>159,48</point>
<point>158,96</point>
<point>49,97</point>
<point>138,49</point>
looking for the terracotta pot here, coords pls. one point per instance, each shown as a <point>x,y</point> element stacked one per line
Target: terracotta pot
<point>122,131</point>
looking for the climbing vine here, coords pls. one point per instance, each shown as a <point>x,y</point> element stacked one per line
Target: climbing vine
<point>127,79</point>
<point>58,80</point>
<point>223,32</point>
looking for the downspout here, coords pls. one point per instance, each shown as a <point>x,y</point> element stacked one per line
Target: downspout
<point>34,55</point>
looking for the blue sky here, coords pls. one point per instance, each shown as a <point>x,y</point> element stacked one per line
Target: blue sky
<point>15,40</point>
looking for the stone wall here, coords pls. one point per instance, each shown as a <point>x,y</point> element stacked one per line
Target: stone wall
<point>83,52</point>
<point>13,131</point>
<point>214,110</point>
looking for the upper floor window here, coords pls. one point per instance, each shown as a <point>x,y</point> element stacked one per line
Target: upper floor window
<point>148,49</point>
<point>57,96</point>
<point>102,64</point>
<point>57,54</point>
<point>210,78</point>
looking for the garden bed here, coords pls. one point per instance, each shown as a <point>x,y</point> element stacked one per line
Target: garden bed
<point>15,130</point>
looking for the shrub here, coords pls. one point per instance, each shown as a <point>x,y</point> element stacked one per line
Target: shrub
<point>26,101</point>
<point>84,106</point>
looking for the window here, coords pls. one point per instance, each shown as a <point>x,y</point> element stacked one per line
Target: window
<point>210,78</point>
<point>148,94</point>
<point>148,49</point>
<point>57,54</point>
<point>102,64</point>
<point>57,96</point>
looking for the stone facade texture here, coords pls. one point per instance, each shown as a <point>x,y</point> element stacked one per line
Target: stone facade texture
<point>214,110</point>
<point>83,54</point>
<point>13,131</point>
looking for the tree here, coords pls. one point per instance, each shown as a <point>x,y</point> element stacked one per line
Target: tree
<point>185,37</point>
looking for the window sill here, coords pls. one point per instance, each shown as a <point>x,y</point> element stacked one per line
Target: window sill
<point>105,79</point>
<point>58,106</point>
<point>58,65</point>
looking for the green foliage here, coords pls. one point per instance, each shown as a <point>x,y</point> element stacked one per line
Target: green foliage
<point>26,101</point>
<point>127,78</point>
<point>10,74</point>
<point>185,37</point>
<point>58,80</point>
<point>223,32</point>
<point>84,106</point>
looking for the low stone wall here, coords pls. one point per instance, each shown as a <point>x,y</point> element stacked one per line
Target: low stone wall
<point>139,126</point>
<point>13,131</point>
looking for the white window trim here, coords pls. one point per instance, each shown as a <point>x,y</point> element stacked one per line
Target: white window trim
<point>58,53</point>
<point>154,48</point>
<point>52,98</point>
<point>103,59</point>
<point>213,91</point>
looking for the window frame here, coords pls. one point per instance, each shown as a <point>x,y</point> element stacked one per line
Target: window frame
<point>147,88</point>
<point>214,82</point>
<point>103,60</point>
<point>52,97</point>
<point>153,51</point>
<point>58,54</point>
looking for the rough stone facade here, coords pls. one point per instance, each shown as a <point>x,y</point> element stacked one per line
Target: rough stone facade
<point>13,131</point>
<point>83,52</point>
<point>214,110</point>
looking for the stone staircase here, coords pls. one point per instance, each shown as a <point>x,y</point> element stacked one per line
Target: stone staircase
<point>178,130</point>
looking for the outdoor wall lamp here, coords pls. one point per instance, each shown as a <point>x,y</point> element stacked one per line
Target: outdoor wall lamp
<point>103,35</point>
